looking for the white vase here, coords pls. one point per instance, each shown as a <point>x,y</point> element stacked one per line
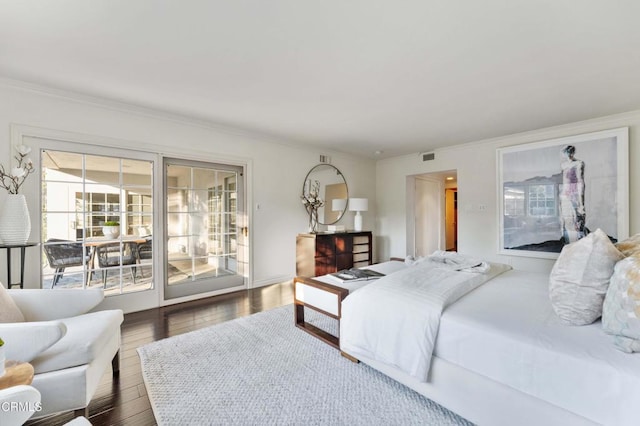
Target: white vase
<point>15,225</point>
<point>111,232</point>
<point>313,221</point>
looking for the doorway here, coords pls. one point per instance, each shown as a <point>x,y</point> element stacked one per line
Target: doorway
<point>432,207</point>
<point>451,219</point>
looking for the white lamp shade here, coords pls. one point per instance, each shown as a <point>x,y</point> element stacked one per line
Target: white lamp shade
<point>358,204</point>
<point>338,204</point>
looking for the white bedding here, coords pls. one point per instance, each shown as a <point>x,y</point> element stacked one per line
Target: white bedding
<point>507,331</point>
<point>395,319</point>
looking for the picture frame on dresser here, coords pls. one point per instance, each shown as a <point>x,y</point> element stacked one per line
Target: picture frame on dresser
<point>554,192</point>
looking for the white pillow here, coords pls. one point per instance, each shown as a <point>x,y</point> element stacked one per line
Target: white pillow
<point>580,278</point>
<point>621,310</point>
<point>9,311</point>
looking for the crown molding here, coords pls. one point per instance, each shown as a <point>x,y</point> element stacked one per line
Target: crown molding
<point>157,114</point>
<point>120,106</point>
<point>607,122</point>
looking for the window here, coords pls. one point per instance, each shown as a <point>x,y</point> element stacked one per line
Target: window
<point>81,194</point>
<point>514,201</point>
<point>139,211</point>
<point>542,201</point>
<point>222,218</point>
<point>104,208</point>
<point>539,199</point>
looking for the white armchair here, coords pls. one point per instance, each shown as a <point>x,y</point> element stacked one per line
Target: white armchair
<point>69,348</point>
<point>17,404</point>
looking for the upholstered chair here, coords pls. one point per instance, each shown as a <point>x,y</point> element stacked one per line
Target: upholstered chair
<point>17,404</point>
<point>69,347</point>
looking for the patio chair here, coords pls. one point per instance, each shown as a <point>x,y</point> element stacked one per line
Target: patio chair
<point>62,254</point>
<point>110,255</point>
<point>145,250</point>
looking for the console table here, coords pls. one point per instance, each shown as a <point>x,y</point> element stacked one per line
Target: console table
<point>22,248</point>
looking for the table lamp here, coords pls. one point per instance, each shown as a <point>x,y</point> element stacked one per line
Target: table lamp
<point>358,205</point>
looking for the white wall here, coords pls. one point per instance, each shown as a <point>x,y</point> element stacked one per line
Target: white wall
<point>278,169</point>
<point>477,188</point>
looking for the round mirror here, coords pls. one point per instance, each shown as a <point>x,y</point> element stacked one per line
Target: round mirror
<point>327,186</point>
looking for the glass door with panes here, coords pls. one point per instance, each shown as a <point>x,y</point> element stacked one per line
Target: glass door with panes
<point>97,217</point>
<point>205,228</point>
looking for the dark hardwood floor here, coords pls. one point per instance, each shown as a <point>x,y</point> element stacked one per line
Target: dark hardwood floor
<point>124,401</point>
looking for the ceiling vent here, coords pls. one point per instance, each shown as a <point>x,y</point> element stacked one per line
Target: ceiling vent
<point>325,159</point>
<point>428,156</point>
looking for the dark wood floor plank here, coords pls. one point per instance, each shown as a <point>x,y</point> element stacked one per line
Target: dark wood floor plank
<point>144,418</point>
<point>123,400</point>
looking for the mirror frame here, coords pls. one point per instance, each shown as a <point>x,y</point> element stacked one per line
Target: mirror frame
<point>339,173</point>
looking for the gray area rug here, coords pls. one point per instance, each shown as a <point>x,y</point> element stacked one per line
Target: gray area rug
<point>261,369</point>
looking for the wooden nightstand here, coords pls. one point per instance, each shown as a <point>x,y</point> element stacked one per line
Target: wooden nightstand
<point>16,373</point>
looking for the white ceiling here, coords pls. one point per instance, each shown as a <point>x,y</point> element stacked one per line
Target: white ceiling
<point>357,76</point>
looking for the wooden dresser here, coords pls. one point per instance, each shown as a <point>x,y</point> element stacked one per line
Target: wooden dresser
<point>324,253</point>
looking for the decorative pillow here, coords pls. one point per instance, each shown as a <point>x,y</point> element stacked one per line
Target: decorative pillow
<point>630,246</point>
<point>9,311</point>
<point>621,309</point>
<point>580,277</point>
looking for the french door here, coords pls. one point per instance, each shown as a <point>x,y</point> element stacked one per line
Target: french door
<point>81,195</point>
<point>146,229</point>
<point>205,227</point>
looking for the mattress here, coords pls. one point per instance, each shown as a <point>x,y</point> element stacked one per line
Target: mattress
<point>396,318</point>
<point>328,301</point>
<point>384,268</point>
<point>506,330</point>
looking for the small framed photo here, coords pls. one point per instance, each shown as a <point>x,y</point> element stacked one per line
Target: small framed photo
<point>554,192</point>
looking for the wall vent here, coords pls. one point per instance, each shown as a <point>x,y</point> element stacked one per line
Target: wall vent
<point>325,159</point>
<point>428,156</point>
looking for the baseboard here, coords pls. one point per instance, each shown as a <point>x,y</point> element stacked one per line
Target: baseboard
<point>270,281</point>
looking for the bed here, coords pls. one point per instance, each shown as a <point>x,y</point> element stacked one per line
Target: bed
<point>502,357</point>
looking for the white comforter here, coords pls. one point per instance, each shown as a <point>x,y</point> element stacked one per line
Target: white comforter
<point>395,319</point>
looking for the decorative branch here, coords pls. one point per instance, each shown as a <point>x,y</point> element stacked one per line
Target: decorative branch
<point>312,201</point>
<point>12,181</point>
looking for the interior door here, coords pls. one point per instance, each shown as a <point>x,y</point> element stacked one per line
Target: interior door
<point>428,216</point>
